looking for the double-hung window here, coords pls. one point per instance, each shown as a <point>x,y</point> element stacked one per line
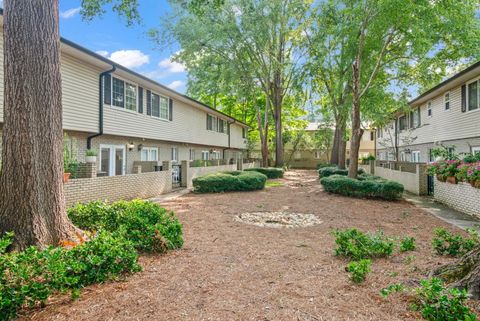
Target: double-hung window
<point>446,100</point>
<point>124,94</point>
<point>429,108</point>
<point>402,123</point>
<point>473,95</point>
<point>160,106</point>
<point>415,118</point>
<point>415,156</point>
<point>174,154</point>
<point>221,128</point>
<point>149,154</point>
<point>212,123</point>
<point>205,155</point>
<point>192,154</point>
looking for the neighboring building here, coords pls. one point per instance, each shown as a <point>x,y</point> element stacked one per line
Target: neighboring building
<point>447,115</point>
<point>305,156</point>
<point>133,118</point>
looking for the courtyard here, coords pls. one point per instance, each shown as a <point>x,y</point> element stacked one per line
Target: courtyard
<point>231,270</point>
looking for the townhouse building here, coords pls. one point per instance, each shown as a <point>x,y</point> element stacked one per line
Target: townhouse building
<point>127,117</point>
<point>447,115</point>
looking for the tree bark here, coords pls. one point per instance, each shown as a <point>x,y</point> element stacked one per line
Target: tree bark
<point>31,182</point>
<point>357,131</point>
<point>463,274</point>
<point>342,146</point>
<point>336,145</point>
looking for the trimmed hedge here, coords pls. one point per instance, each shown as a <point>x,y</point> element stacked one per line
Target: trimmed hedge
<point>270,172</point>
<point>229,181</point>
<point>332,170</point>
<point>368,188</point>
<point>323,165</point>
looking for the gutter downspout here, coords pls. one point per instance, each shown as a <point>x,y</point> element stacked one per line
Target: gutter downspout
<point>100,107</point>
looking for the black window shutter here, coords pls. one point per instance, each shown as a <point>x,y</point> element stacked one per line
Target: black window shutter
<point>464,98</point>
<point>170,109</point>
<point>140,100</point>
<point>419,116</point>
<point>107,89</point>
<point>207,121</point>
<point>149,103</point>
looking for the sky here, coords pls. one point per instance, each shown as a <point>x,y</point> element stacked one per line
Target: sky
<point>109,36</point>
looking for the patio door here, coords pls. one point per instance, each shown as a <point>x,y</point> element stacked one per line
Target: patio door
<point>112,160</point>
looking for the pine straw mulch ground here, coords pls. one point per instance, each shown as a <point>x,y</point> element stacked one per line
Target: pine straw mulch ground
<point>229,270</point>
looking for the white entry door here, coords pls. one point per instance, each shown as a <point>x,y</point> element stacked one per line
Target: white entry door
<point>112,159</point>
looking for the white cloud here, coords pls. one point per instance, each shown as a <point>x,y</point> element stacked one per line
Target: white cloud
<point>176,84</point>
<point>171,66</point>
<point>70,13</point>
<point>127,58</point>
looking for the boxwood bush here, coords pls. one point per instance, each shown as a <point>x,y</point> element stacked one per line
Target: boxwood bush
<point>332,170</point>
<point>229,181</point>
<point>151,228</point>
<point>270,172</point>
<point>368,188</point>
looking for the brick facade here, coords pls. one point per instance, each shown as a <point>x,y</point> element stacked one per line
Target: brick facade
<point>461,196</point>
<point>113,188</point>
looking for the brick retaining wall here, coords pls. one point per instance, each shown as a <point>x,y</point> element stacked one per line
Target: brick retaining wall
<point>461,196</point>
<point>114,188</point>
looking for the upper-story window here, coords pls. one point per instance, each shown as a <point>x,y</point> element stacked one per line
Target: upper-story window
<point>244,133</point>
<point>473,95</point>
<point>159,106</point>
<point>402,122</point>
<point>446,100</point>
<point>415,118</point>
<point>429,108</point>
<point>124,94</point>
<point>217,124</point>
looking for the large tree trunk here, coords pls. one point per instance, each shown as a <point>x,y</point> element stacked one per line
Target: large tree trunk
<point>342,147</point>
<point>31,189</point>
<point>357,131</point>
<point>336,144</point>
<point>463,274</point>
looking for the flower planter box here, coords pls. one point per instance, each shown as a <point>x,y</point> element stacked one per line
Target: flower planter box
<point>452,180</point>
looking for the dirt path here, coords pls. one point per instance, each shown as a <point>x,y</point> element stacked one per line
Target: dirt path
<point>229,270</point>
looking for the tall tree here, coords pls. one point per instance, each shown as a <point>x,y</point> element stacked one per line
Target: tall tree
<point>258,38</point>
<point>31,189</point>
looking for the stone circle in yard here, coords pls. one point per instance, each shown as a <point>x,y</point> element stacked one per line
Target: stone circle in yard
<point>278,219</point>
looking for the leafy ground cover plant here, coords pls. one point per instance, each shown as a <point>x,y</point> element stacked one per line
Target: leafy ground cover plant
<point>356,245</point>
<point>359,270</point>
<point>447,243</point>
<point>407,244</point>
<point>270,172</point>
<point>148,226</point>
<point>435,302</point>
<point>30,277</point>
<point>363,188</point>
<point>229,181</point>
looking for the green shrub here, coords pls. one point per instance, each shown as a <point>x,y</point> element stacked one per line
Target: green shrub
<point>322,165</point>
<point>396,287</point>
<point>435,302</point>
<point>407,244</point>
<point>270,172</point>
<point>329,171</point>
<point>368,188</point>
<point>446,243</point>
<point>356,245</point>
<point>30,277</point>
<point>148,226</point>
<point>359,270</point>
<point>229,181</point>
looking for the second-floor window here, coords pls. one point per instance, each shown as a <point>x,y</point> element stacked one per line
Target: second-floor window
<point>402,123</point>
<point>446,100</point>
<point>473,95</point>
<point>159,106</point>
<point>124,94</point>
<point>429,108</point>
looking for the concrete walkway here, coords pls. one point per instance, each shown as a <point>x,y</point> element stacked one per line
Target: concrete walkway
<point>443,212</point>
<point>169,196</point>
